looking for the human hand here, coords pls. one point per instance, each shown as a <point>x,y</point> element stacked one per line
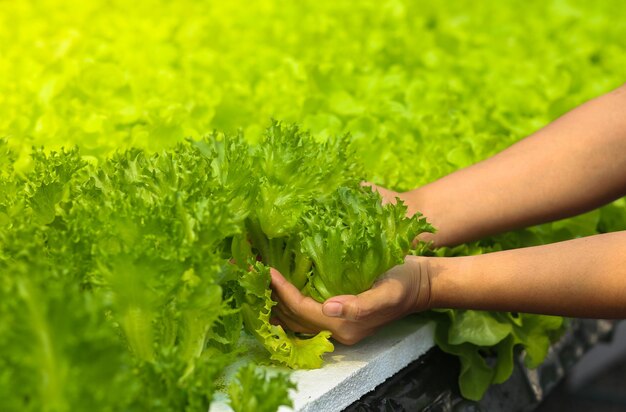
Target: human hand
<point>388,196</point>
<point>402,290</point>
<point>413,205</point>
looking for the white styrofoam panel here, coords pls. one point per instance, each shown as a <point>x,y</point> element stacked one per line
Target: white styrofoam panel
<point>352,371</point>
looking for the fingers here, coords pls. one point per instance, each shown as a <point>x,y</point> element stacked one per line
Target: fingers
<point>291,302</point>
<point>367,306</point>
<point>388,196</point>
<point>368,184</point>
<point>288,321</point>
<point>287,296</point>
<point>350,318</point>
<point>281,286</point>
<point>298,312</point>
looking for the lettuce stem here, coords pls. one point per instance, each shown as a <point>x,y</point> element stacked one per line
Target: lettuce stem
<point>276,257</point>
<point>137,326</point>
<point>301,269</point>
<point>259,241</point>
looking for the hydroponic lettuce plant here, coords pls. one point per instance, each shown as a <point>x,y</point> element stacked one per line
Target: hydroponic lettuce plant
<point>302,184</point>
<point>314,223</point>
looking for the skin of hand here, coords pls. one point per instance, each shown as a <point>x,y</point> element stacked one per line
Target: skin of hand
<point>402,290</point>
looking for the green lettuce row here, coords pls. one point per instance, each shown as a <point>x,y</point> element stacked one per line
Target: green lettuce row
<point>161,244</point>
<point>150,236</point>
<point>425,88</point>
<point>254,390</point>
<point>113,282</point>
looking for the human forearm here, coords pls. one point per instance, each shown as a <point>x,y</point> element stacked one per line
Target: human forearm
<point>583,277</point>
<point>571,166</point>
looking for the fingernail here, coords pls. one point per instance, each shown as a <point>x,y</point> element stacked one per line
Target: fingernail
<point>333,309</point>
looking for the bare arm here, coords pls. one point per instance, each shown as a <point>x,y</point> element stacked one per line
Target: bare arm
<point>583,277</point>
<point>573,165</point>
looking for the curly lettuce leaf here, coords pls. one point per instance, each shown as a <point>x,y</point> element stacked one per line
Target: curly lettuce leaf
<point>293,169</point>
<point>283,347</point>
<point>353,239</point>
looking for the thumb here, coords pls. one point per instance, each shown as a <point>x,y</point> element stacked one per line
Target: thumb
<point>340,306</point>
<point>354,307</point>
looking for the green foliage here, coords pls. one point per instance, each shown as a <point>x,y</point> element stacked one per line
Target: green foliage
<point>475,335</point>
<point>132,247</point>
<point>115,280</point>
<point>254,390</point>
<point>425,87</point>
<point>157,256</point>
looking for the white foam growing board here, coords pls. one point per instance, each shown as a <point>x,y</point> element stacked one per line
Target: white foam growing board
<point>352,371</point>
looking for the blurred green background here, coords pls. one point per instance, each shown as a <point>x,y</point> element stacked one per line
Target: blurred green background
<point>424,87</point>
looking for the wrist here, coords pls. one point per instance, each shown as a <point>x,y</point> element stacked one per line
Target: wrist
<point>449,286</point>
<point>421,293</point>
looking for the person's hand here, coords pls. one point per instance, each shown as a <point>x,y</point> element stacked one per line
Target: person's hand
<point>389,196</point>
<point>413,205</point>
<point>402,290</point>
